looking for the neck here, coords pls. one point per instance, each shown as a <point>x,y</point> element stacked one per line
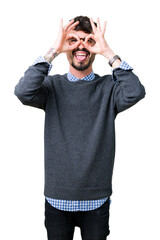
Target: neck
<point>80,74</point>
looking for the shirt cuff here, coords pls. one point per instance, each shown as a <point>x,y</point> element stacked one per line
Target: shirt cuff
<point>41,59</point>
<point>125,66</point>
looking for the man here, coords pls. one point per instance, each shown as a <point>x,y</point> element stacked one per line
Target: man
<point>80,109</point>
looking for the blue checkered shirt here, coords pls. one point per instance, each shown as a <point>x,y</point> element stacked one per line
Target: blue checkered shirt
<point>72,205</point>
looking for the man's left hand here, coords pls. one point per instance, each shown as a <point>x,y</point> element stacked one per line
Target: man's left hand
<point>100,45</point>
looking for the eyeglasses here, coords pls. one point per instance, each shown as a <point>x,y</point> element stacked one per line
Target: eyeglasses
<point>73,40</point>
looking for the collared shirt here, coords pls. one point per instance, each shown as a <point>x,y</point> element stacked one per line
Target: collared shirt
<point>72,205</point>
<point>72,78</point>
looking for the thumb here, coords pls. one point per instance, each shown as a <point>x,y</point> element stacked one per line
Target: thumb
<point>87,46</point>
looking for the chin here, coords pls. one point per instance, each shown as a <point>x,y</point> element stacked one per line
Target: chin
<point>80,67</point>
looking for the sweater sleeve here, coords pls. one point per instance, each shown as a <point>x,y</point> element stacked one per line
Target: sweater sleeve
<point>128,90</point>
<point>34,87</point>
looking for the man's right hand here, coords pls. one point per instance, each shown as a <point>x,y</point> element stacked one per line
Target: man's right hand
<point>61,44</point>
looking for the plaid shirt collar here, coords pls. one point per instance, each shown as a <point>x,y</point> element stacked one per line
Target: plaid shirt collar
<point>72,78</point>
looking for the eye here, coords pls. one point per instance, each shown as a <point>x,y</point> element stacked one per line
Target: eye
<point>72,40</point>
<point>91,41</point>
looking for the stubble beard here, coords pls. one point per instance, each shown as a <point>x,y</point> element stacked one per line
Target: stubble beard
<point>82,66</point>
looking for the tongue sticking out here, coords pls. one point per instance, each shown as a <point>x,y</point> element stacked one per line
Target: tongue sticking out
<point>81,58</point>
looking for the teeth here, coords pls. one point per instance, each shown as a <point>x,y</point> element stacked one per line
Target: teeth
<point>80,54</point>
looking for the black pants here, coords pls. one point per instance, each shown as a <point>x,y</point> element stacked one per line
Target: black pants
<point>94,224</point>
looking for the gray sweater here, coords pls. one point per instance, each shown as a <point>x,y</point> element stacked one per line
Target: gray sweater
<point>79,132</point>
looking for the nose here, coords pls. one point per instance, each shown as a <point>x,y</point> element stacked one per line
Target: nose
<point>81,44</point>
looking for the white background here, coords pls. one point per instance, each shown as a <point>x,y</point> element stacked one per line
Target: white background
<point>28,29</point>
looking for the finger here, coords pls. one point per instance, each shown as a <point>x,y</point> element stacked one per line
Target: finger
<point>73,35</point>
<point>104,27</point>
<point>88,47</point>
<point>72,26</point>
<point>68,25</point>
<point>93,26</point>
<point>61,25</point>
<point>74,46</point>
<point>89,36</point>
<point>98,24</point>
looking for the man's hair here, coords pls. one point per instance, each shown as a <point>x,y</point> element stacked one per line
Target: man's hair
<point>84,24</point>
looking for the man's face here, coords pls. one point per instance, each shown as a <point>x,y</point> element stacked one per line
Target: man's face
<point>80,58</point>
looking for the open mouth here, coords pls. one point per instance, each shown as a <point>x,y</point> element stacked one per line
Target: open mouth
<point>81,55</point>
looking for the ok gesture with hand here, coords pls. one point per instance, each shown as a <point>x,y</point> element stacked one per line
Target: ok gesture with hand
<point>61,45</point>
<point>100,45</point>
